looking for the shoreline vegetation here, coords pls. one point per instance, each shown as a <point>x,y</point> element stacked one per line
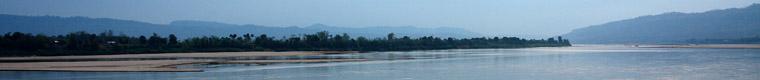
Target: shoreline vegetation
<point>106,52</point>
<point>107,43</point>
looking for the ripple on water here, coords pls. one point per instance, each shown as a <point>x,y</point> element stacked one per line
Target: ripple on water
<point>549,63</point>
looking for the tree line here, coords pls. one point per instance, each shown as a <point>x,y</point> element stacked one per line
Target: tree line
<point>83,43</point>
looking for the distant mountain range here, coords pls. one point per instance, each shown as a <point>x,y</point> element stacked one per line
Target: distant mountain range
<point>54,25</point>
<point>674,27</point>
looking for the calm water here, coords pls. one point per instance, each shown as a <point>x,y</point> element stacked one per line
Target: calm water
<point>585,62</point>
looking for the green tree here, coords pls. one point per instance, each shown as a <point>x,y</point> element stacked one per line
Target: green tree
<point>391,36</point>
<point>173,40</point>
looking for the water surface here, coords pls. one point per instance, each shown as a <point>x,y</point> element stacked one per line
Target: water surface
<point>585,62</point>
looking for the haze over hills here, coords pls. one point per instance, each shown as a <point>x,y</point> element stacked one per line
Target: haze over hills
<point>674,27</point>
<point>187,28</point>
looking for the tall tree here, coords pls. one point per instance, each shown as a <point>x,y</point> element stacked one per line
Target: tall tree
<point>173,40</point>
<point>143,40</point>
<point>391,36</point>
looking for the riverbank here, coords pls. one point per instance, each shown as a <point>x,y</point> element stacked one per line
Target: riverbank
<point>167,56</point>
<point>722,46</point>
<point>166,62</point>
<point>103,66</point>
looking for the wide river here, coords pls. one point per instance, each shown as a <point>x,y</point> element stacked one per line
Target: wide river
<point>582,62</point>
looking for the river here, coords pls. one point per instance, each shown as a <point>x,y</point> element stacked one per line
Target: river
<point>581,62</point>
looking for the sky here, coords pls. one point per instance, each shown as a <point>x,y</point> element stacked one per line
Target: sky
<point>522,18</point>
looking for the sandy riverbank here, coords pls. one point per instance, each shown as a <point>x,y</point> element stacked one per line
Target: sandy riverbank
<point>166,62</point>
<point>288,61</point>
<point>167,56</point>
<point>139,66</point>
<point>726,46</point>
<point>117,66</point>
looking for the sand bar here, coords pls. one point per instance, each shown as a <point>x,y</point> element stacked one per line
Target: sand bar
<point>289,61</point>
<point>165,56</point>
<point>165,62</point>
<point>104,66</point>
<point>141,65</point>
<point>726,46</point>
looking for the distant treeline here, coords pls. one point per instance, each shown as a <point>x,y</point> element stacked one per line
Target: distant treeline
<point>83,43</point>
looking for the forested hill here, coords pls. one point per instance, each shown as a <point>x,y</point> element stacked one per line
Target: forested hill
<point>675,27</point>
<point>56,25</point>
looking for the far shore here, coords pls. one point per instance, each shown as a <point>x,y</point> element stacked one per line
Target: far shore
<point>165,62</point>
<point>721,46</point>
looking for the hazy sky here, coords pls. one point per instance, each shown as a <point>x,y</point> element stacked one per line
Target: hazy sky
<point>491,17</point>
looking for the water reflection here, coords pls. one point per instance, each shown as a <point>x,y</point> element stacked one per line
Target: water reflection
<point>582,63</point>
